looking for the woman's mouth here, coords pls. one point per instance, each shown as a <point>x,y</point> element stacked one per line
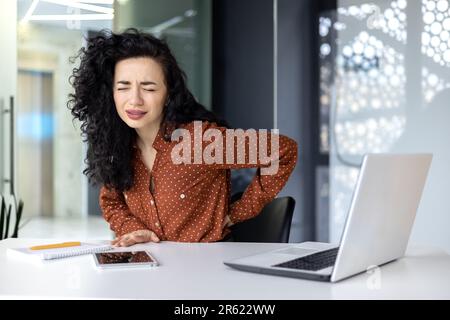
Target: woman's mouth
<point>135,114</point>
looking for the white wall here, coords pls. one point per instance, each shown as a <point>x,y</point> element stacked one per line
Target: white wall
<point>8,63</point>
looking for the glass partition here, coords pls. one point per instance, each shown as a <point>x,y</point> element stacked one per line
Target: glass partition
<point>385,87</point>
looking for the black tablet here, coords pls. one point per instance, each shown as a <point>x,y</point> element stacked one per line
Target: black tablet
<point>124,259</point>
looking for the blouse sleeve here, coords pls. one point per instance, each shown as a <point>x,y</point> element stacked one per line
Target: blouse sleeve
<point>264,187</point>
<point>274,156</point>
<point>116,212</point>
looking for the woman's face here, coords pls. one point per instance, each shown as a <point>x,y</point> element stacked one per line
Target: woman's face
<point>140,92</point>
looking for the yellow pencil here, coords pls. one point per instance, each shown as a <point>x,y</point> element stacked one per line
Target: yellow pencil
<point>56,245</point>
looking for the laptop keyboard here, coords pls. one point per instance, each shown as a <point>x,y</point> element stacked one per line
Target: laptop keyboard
<point>312,262</point>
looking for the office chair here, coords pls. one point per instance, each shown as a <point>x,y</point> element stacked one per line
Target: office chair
<point>272,224</point>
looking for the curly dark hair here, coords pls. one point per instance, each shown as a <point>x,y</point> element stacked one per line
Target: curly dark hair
<point>109,139</point>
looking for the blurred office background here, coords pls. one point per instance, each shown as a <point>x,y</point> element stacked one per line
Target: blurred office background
<point>343,78</point>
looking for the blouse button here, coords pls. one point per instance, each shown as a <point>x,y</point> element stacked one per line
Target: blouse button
<point>126,197</point>
<point>182,196</point>
<point>157,224</point>
<point>152,202</point>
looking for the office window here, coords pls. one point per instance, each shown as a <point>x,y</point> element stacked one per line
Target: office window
<point>384,77</point>
<point>49,150</point>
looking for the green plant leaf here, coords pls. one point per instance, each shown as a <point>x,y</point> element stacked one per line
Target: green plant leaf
<point>8,217</point>
<point>18,217</point>
<point>2,217</point>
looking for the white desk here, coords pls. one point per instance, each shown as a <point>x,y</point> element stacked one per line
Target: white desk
<point>196,271</point>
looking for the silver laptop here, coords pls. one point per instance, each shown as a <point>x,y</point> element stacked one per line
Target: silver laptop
<point>377,229</point>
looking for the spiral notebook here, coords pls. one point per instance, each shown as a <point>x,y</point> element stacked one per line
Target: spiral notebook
<point>50,254</point>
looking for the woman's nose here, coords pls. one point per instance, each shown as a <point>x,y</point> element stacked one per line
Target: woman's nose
<point>136,98</point>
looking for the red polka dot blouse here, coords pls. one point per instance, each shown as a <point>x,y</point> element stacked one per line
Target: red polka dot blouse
<point>189,201</point>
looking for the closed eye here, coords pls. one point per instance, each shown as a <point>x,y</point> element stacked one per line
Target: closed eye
<point>149,89</point>
<point>121,89</point>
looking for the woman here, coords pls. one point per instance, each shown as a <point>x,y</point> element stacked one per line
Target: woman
<point>131,98</point>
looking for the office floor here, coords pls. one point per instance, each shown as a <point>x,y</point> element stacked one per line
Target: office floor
<point>76,228</point>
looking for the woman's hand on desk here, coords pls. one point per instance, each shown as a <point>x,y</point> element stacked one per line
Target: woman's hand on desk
<point>139,236</point>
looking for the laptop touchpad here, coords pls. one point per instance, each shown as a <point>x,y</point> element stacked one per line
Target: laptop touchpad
<point>296,251</point>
